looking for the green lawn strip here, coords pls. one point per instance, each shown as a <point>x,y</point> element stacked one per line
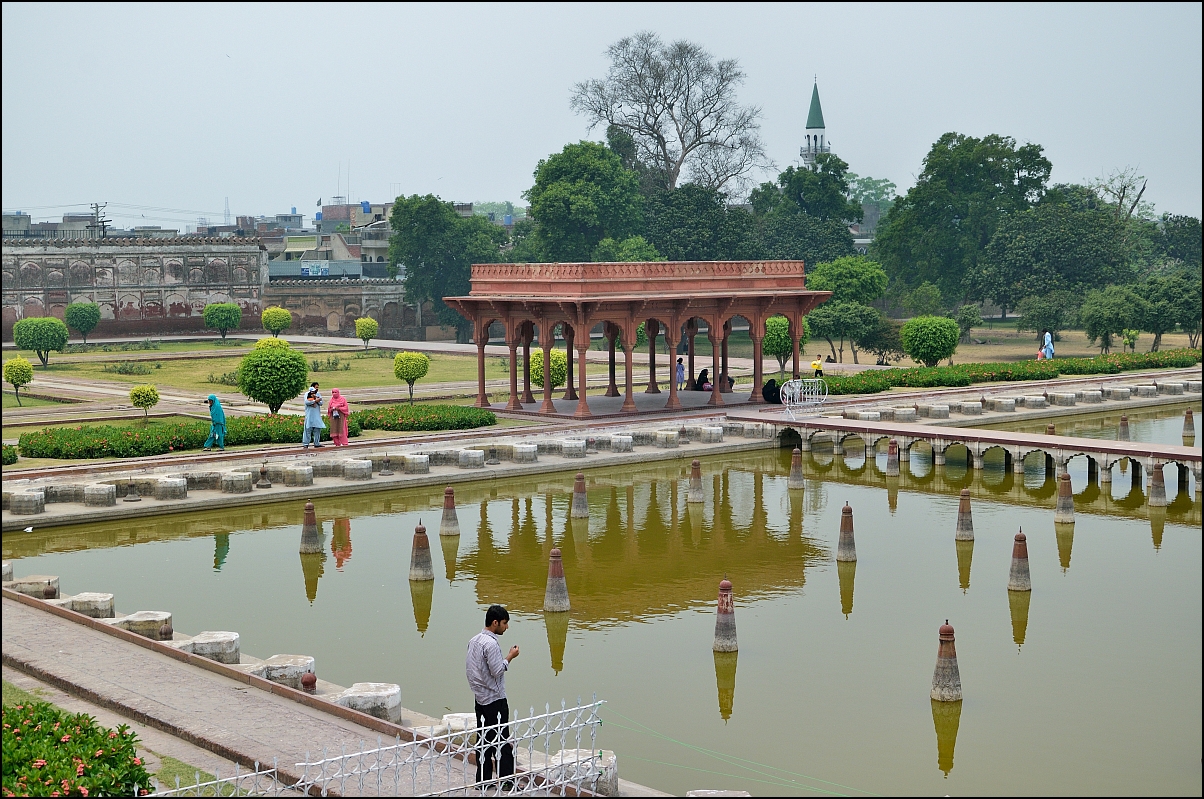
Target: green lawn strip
<point>10,401</point>
<point>171,769</point>
<point>15,695</point>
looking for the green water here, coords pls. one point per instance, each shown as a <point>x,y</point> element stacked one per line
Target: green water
<point>1093,687</point>
<point>1158,425</point>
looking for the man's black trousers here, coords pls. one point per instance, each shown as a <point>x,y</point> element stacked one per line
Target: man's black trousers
<point>488,715</point>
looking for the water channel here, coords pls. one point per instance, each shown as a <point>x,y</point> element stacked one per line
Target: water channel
<point>1092,686</point>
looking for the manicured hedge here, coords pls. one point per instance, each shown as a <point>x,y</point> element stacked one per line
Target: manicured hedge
<point>103,441</point>
<point>875,381</point>
<point>10,455</point>
<point>51,753</point>
<point>404,418</point>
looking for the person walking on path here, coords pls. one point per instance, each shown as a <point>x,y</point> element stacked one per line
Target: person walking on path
<point>486,668</point>
<point>681,375</point>
<point>338,411</point>
<point>313,420</point>
<point>1048,349</point>
<point>217,424</point>
<point>818,366</point>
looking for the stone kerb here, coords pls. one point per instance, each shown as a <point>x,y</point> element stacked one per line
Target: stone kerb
<point>26,503</point>
<point>1169,386</point>
<point>6,571</point>
<point>526,453</point>
<point>1089,397</point>
<point>1193,386</point>
<point>218,645</point>
<point>236,483</point>
<point>379,699</point>
<point>171,488</point>
<point>971,408</point>
<point>550,446</point>
<point>327,468</point>
<point>100,495</point>
<point>204,481</point>
<point>1117,392</point>
<point>666,439</point>
<point>146,623</point>
<point>357,470</point>
<point>70,492</point>
<point>573,448</point>
<point>92,605</point>
<point>1034,402</point>
<point>1146,391</point>
<point>417,464</point>
<point>620,443</point>
<point>296,476</point>
<point>470,459</point>
<point>284,669</point>
<point>33,585</point>
<point>1001,404</point>
<point>712,435</point>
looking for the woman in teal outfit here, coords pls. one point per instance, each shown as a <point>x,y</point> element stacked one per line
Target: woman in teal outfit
<point>217,426</point>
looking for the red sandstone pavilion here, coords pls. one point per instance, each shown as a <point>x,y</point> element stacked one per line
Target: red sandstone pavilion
<point>667,296</point>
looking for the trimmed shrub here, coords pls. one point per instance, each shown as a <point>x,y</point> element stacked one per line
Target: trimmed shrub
<point>144,397</point>
<point>560,368</point>
<point>49,752</point>
<point>40,334</point>
<point>930,339</point>
<point>10,455</point>
<point>83,317</point>
<point>411,367</point>
<point>271,344</point>
<point>366,329</point>
<point>777,340</point>
<point>407,418</point>
<point>272,375</point>
<point>18,372</point>
<point>222,316</point>
<point>275,320</point>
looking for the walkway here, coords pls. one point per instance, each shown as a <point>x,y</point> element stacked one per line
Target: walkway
<point>215,712</point>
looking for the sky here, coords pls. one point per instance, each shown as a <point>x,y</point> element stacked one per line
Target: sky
<point>168,111</point>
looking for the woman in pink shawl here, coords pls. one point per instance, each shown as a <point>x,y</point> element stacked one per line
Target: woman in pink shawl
<point>337,411</point>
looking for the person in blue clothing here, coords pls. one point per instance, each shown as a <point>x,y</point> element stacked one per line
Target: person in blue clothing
<point>217,424</point>
<point>313,420</point>
<point>1048,348</point>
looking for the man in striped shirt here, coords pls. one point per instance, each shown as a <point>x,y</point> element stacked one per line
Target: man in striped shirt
<point>486,668</point>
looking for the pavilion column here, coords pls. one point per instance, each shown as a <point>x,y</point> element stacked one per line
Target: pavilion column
<point>691,331</point>
<point>512,342</point>
<point>545,340</point>
<point>723,383</point>
<point>757,333</point>
<point>611,331</point>
<point>528,335</point>
<point>715,334</point>
<point>570,393</point>
<point>482,397</point>
<point>652,329</point>
<point>796,331</point>
<point>628,352</point>
<point>582,411</point>
<point>671,339</point>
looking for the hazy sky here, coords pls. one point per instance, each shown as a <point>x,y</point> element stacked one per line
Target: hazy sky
<point>181,106</point>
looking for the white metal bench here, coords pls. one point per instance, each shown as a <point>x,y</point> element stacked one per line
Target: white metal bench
<point>805,394</point>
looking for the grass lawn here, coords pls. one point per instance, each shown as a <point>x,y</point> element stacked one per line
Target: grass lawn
<point>10,401</point>
<point>15,695</point>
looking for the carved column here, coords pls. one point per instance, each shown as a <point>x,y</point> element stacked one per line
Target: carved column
<point>756,332</point>
<point>570,392</point>
<point>796,331</point>
<point>715,334</point>
<point>651,329</point>
<point>723,382</point>
<point>611,331</point>
<point>671,338</point>
<point>628,352</point>
<point>691,331</point>
<point>528,336</point>
<point>582,411</point>
<point>482,337</point>
<point>545,341</point>
<point>512,341</point>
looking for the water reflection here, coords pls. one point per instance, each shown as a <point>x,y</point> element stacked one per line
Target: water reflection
<point>725,682</point>
<point>846,572</point>
<point>557,625</point>
<point>1157,523</point>
<point>1018,602</point>
<point>221,548</point>
<point>340,542</point>
<point>965,554</point>
<point>422,595</point>
<point>1159,425</point>
<point>313,566</point>
<point>450,544</point>
<point>946,717</point>
<point>1065,537</point>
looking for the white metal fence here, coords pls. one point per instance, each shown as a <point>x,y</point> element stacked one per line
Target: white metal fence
<point>555,754</point>
<point>805,394</point>
<point>259,782</point>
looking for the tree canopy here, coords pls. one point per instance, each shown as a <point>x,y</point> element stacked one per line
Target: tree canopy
<point>853,278</point>
<point>40,334</point>
<point>821,191</point>
<point>82,317</point>
<point>695,223</point>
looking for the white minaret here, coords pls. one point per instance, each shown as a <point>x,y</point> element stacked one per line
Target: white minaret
<point>815,141</point>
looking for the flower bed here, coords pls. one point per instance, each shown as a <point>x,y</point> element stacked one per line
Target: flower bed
<point>10,455</point>
<point>404,418</point>
<point>875,381</point>
<point>103,441</point>
<point>51,753</point>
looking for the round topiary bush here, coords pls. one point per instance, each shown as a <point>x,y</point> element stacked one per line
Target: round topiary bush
<point>18,372</point>
<point>40,334</point>
<point>222,316</point>
<point>560,368</point>
<point>144,397</point>
<point>410,367</point>
<point>271,344</point>
<point>275,319</point>
<point>272,375</point>
<point>930,339</point>
<point>366,329</point>
<point>82,317</point>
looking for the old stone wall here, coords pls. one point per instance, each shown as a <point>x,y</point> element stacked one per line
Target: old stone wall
<point>143,286</point>
<point>331,307</point>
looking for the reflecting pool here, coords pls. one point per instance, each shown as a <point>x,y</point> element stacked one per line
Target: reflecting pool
<point>1091,684</point>
<point>1158,425</point>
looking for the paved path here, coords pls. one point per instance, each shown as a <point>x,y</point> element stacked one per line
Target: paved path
<point>220,714</point>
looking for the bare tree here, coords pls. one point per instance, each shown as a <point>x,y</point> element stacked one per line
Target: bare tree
<point>1124,188</point>
<point>679,106</point>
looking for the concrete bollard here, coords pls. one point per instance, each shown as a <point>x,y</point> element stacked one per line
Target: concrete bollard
<point>620,443</point>
<point>416,464</point>
<point>846,549</point>
<point>573,448</point>
<point>6,570</point>
<point>526,453</point>
<point>237,483</point>
<point>725,619</point>
<point>694,495</point>
<point>1064,511</point>
<point>795,479</point>
<point>1122,432</point>
<point>357,469</point>
<point>580,506</point>
<point>311,542</point>
<point>1018,578</point>
<point>556,595</point>
<point>471,459</point>
<point>1189,424</point>
<point>450,523</point>
<point>379,699</point>
<point>905,414</point>
<point>946,681</point>
<point>24,503</point>
<point>667,439</point>
<point>1049,430</point>
<point>171,488</point>
<point>100,495</point>
<point>420,556</point>
<point>892,458</point>
<point>298,476</point>
<point>1157,498</point>
<point>965,522</point>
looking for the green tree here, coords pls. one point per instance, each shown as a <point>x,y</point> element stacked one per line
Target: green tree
<point>276,320</point>
<point>222,316</point>
<point>1053,312</point>
<point>560,368</point>
<point>837,321</point>
<point>410,367</point>
<point>853,278</point>
<point>40,334</point>
<point>366,329</point>
<point>581,196</point>
<point>1108,312</point>
<point>1048,248</point>
<point>634,248</point>
<point>777,340</point>
<point>1180,239</point>
<point>1189,309</point>
<point>1167,298</point>
<point>820,191</point>
<point>795,236</point>
<point>272,375</point>
<point>871,191</point>
<point>694,223</point>
<point>884,340</point>
<point>938,230</point>
<point>968,317</point>
<point>925,300</point>
<point>144,397</point>
<point>437,248</point>
<point>18,372</point>
<point>930,339</point>
<point>82,317</point>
